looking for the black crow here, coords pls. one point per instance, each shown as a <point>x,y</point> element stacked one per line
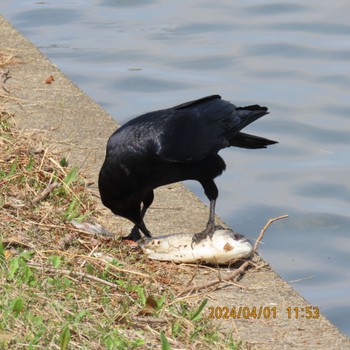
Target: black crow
<point>171,145</point>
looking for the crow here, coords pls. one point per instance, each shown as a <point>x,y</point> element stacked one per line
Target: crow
<point>171,145</point>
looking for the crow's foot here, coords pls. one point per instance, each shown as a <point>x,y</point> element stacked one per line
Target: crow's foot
<point>208,231</point>
<point>134,235</point>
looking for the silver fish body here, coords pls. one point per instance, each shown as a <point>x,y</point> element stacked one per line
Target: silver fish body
<point>225,247</point>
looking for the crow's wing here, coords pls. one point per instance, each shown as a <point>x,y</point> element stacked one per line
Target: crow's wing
<point>201,127</point>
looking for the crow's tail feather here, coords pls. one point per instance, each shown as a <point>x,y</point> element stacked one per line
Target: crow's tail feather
<point>245,115</point>
<point>250,141</point>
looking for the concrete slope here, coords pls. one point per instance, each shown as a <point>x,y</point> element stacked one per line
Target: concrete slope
<point>75,123</point>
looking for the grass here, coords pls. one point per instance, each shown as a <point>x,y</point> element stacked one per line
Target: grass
<point>65,288</point>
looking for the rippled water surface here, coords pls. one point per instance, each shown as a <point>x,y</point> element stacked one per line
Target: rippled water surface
<point>134,56</point>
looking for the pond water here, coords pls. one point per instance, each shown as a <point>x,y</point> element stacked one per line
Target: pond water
<point>133,56</point>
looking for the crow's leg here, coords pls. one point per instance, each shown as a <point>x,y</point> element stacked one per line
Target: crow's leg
<point>211,222</point>
<point>135,232</point>
<point>212,193</point>
<point>144,229</point>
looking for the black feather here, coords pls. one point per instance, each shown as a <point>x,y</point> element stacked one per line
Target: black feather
<point>171,145</point>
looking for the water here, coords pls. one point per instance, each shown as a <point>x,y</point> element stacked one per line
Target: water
<point>134,56</point>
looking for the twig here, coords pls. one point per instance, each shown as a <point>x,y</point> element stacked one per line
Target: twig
<point>149,319</point>
<point>72,273</point>
<point>4,76</point>
<point>59,227</point>
<point>240,271</point>
<point>43,159</point>
<point>264,229</point>
<point>15,242</point>
<point>44,193</point>
<point>93,259</point>
<point>211,283</point>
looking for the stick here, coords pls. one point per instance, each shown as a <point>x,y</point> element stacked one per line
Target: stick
<point>93,259</point>
<point>264,229</point>
<point>44,193</point>
<point>72,273</point>
<point>211,283</point>
<point>240,271</point>
<point>149,319</point>
<point>4,76</point>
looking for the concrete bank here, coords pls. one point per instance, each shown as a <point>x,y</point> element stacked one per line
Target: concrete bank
<point>76,124</point>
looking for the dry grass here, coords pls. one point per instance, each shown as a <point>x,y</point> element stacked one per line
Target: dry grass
<point>62,287</point>
<point>8,58</point>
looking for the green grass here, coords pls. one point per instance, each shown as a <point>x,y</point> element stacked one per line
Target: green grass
<point>56,292</point>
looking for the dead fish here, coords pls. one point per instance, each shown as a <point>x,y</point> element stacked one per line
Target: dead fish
<point>225,247</point>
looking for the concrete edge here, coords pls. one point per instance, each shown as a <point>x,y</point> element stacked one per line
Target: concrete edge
<point>76,123</point>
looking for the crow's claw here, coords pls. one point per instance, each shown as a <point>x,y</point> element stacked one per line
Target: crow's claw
<point>134,235</point>
<point>200,236</point>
